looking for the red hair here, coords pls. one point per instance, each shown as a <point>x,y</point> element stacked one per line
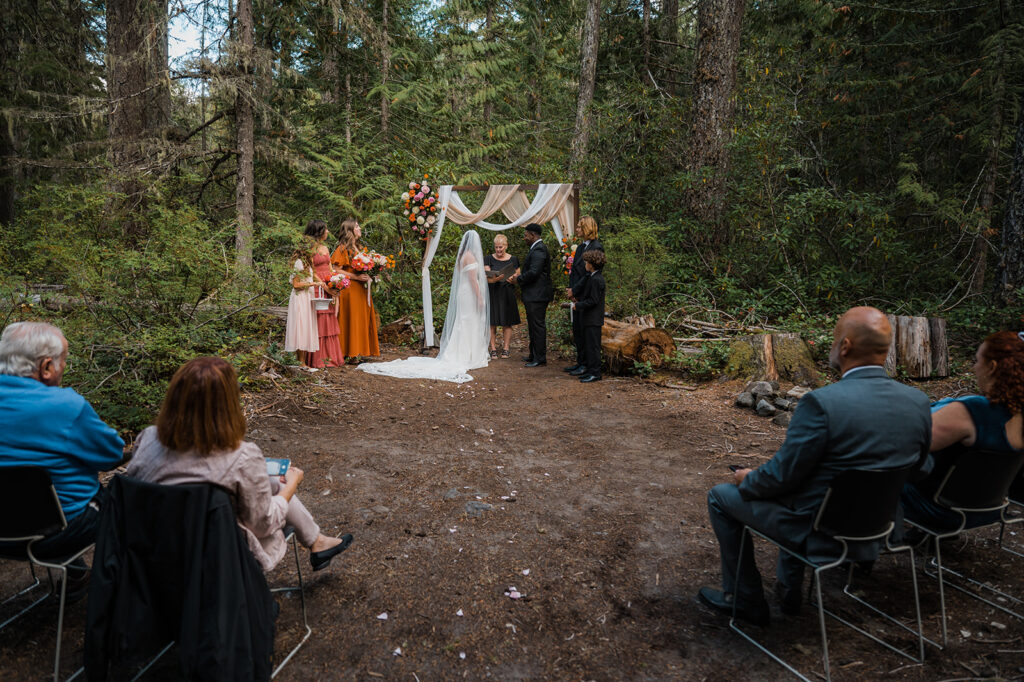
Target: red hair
<point>202,410</point>
<point>1006,349</point>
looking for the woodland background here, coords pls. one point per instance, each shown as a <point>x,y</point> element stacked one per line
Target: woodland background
<point>751,162</point>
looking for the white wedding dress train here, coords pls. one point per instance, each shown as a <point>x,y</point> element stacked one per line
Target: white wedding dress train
<point>466,327</point>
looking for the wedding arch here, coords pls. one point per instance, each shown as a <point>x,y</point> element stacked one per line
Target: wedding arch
<point>555,203</point>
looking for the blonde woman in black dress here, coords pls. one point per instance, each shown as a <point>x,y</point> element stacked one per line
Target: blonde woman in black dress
<point>504,308</point>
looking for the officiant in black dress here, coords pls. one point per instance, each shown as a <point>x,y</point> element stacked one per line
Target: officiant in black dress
<point>504,309</point>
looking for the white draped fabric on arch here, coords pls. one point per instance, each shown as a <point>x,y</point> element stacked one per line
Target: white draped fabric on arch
<point>553,203</point>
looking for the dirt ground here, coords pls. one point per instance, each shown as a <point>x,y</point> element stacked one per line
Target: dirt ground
<point>588,499</point>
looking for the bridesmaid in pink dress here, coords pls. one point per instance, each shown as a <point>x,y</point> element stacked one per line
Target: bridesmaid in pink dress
<point>329,354</point>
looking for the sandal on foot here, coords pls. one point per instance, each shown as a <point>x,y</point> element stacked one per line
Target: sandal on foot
<point>494,354</point>
<point>505,353</point>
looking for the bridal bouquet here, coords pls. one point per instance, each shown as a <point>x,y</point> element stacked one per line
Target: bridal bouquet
<point>372,263</point>
<point>567,249</point>
<point>338,282</point>
<point>420,208</point>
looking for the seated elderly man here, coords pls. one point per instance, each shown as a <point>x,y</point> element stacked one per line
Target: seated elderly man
<point>44,425</point>
<point>865,420</point>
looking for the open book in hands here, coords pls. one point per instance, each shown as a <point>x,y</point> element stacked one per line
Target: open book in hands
<point>502,274</point>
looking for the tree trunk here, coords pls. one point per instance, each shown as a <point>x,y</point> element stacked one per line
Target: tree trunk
<point>137,86</point>
<point>983,227</point>
<point>348,108</point>
<point>332,81</point>
<point>913,346</point>
<point>918,346</point>
<point>244,201</point>
<point>719,24</point>
<point>940,346</point>
<point>8,171</point>
<point>669,25</point>
<point>385,69</point>
<point>769,357</point>
<point>1011,261</point>
<point>489,37</point>
<point>588,75</point>
<point>646,42</point>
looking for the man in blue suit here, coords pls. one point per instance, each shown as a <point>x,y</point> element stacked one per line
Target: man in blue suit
<point>865,420</point>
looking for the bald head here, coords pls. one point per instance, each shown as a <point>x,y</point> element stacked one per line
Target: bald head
<point>861,338</point>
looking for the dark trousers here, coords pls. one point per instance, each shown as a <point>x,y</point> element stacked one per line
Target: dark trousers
<point>917,505</point>
<point>535,323</point>
<point>79,534</point>
<point>729,512</point>
<point>592,349</point>
<point>578,341</point>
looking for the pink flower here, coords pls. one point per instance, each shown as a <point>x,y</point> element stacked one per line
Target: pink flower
<point>419,196</point>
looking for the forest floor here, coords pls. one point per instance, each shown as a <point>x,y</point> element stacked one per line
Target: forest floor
<point>588,499</point>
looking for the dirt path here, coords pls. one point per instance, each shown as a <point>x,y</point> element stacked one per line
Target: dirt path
<point>590,499</point>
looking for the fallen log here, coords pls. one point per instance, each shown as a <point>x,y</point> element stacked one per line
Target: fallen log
<point>623,344</point>
<point>770,357</point>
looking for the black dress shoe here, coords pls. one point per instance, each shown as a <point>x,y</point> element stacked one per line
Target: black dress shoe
<point>757,614</point>
<point>536,363</point>
<point>589,378</point>
<point>320,560</point>
<point>578,372</point>
<point>572,368</point>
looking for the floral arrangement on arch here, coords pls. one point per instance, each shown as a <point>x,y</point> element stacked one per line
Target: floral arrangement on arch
<point>372,263</point>
<point>420,208</point>
<point>567,251</point>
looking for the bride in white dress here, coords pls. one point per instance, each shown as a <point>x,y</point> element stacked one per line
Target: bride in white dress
<point>466,327</point>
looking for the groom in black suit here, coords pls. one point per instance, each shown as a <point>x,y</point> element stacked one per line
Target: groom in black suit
<point>535,280</point>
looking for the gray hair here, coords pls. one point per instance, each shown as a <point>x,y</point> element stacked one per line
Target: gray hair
<point>24,344</point>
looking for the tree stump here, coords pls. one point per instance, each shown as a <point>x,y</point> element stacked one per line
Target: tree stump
<point>769,357</point>
<point>623,344</point>
<point>918,346</point>
<point>398,332</point>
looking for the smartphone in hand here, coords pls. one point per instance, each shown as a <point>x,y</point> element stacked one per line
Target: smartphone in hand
<point>735,467</point>
<point>276,466</point>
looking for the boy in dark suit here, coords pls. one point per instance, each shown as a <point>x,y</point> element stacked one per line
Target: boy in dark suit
<point>590,310</point>
<point>586,228</point>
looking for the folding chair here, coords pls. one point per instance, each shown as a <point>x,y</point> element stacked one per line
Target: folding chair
<point>858,507</point>
<point>30,511</point>
<point>978,482</point>
<point>301,589</point>
<point>289,536</point>
<point>1015,511</point>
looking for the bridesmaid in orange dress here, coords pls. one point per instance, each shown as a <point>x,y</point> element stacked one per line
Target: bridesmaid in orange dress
<point>330,354</point>
<point>356,315</point>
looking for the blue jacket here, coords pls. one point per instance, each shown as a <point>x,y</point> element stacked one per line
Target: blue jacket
<point>56,428</point>
<point>865,421</point>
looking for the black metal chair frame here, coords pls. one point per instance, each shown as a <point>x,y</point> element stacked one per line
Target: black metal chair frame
<point>820,568</point>
<point>33,484</point>
<point>300,588</point>
<point>1016,498</point>
<point>974,461</point>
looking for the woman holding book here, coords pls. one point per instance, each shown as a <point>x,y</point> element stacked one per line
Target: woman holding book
<point>356,315</point>
<point>504,308</point>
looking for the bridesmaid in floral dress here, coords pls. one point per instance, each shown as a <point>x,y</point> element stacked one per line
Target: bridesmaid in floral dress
<point>329,354</point>
<point>356,315</point>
